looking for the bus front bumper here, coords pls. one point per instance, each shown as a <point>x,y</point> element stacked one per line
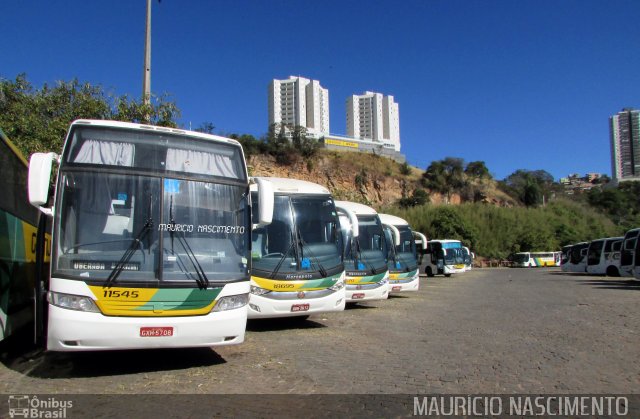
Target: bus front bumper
<point>265,307</point>
<point>404,286</point>
<point>71,330</point>
<point>368,292</point>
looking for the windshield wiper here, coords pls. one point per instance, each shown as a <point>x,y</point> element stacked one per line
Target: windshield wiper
<point>284,256</point>
<point>394,257</point>
<point>201,280</point>
<point>126,256</point>
<point>359,257</point>
<point>321,268</point>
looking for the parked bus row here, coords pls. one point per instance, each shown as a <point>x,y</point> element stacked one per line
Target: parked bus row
<point>611,256</point>
<point>159,238</point>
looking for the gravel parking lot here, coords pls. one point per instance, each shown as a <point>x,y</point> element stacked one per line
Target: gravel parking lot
<point>487,331</point>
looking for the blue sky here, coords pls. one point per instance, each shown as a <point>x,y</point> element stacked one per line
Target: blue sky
<point>519,84</point>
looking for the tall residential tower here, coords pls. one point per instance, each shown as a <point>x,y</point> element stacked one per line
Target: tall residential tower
<point>299,102</point>
<point>625,144</point>
<point>375,117</point>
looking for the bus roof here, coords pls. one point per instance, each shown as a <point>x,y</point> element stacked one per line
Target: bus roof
<point>632,232</point>
<point>294,186</point>
<point>392,220</point>
<point>358,209</point>
<point>607,239</point>
<point>129,125</point>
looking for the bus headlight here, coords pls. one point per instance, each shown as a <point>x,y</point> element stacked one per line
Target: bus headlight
<point>231,302</point>
<point>337,286</point>
<point>383,281</point>
<point>72,302</point>
<point>259,291</point>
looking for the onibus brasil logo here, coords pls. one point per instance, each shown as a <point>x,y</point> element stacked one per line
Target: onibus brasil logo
<point>33,407</point>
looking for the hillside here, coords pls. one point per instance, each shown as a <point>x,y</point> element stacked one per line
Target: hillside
<point>364,178</point>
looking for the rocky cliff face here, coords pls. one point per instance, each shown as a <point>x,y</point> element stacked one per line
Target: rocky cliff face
<point>365,178</point>
<point>362,178</point>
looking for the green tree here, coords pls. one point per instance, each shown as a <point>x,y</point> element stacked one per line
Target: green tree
<point>445,176</point>
<point>161,111</point>
<point>305,144</point>
<point>621,203</point>
<point>279,145</point>
<point>287,143</point>
<point>250,144</point>
<point>37,119</point>
<point>206,127</point>
<point>418,197</point>
<point>531,194</point>
<point>447,223</point>
<point>405,169</point>
<point>477,169</point>
<point>530,187</point>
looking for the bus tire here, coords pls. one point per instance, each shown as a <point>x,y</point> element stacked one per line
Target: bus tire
<point>447,275</point>
<point>429,272</point>
<point>613,271</point>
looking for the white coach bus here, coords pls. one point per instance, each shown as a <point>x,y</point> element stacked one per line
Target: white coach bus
<point>367,273</point>
<point>151,238</point>
<point>444,257</point>
<point>603,256</point>
<point>628,253</point>
<point>402,260</point>
<point>576,257</point>
<point>297,267</point>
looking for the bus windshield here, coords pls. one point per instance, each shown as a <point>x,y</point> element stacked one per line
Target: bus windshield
<point>454,256</point>
<point>153,208</point>
<point>369,248</point>
<point>595,252</point>
<point>521,257</point>
<point>405,251</point>
<point>304,236</point>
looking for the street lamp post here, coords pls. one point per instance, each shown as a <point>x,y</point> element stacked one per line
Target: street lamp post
<point>146,79</point>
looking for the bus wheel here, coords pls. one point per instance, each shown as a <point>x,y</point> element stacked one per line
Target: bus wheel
<point>447,275</point>
<point>612,271</point>
<point>429,272</point>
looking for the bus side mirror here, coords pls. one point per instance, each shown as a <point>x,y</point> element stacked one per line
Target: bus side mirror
<point>353,220</point>
<point>265,202</point>
<point>39,179</point>
<point>421,242</point>
<point>395,233</point>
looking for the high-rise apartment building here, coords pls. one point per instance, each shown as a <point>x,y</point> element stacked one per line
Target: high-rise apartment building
<point>625,144</point>
<point>299,102</point>
<point>375,117</point>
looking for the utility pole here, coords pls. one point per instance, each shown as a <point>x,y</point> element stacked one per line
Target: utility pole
<point>146,79</point>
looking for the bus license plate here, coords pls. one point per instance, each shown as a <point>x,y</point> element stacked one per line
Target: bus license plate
<point>357,296</point>
<point>146,332</point>
<point>393,289</point>
<point>299,307</point>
